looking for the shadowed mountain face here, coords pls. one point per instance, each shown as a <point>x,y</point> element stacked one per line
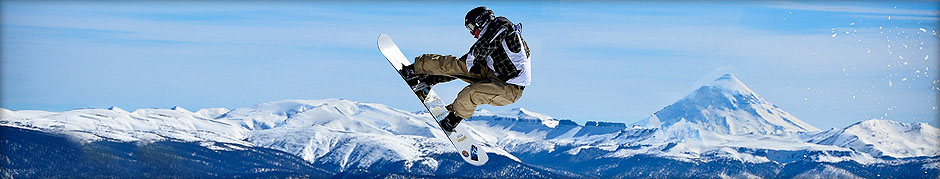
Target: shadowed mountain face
<point>33,154</point>
<point>722,129</point>
<point>27,153</point>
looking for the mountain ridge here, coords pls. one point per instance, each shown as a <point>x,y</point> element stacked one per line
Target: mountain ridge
<point>349,137</point>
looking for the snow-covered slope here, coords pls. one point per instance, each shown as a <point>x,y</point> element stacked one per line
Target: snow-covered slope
<point>210,113</point>
<point>342,132</point>
<point>885,138</point>
<point>334,114</point>
<point>117,124</point>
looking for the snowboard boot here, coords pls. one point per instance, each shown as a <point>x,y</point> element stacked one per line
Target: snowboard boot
<point>450,122</point>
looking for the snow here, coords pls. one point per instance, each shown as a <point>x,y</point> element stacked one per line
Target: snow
<point>722,119</point>
<point>117,109</point>
<point>319,144</point>
<point>211,113</point>
<point>180,108</point>
<point>348,133</point>
<point>520,113</point>
<point>886,138</point>
<point>729,153</point>
<point>117,124</point>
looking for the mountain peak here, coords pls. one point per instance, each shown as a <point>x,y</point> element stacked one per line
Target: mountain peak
<point>728,76</point>
<point>520,113</point>
<point>731,83</point>
<point>117,109</point>
<point>727,106</point>
<point>179,108</point>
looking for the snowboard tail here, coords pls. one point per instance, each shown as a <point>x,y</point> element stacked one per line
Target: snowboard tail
<point>467,146</point>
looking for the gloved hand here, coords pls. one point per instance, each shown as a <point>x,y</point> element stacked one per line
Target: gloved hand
<point>476,69</point>
<point>478,65</point>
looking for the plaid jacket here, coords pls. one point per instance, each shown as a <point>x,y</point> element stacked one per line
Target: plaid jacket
<point>502,49</point>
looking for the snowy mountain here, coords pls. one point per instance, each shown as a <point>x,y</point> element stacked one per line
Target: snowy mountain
<point>116,124</point>
<point>721,121</point>
<point>337,135</point>
<point>343,133</point>
<point>723,128</point>
<point>884,138</point>
<point>724,116</point>
<point>519,114</point>
<point>727,106</point>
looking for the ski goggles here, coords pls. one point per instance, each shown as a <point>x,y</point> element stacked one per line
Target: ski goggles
<point>470,26</point>
<point>473,30</point>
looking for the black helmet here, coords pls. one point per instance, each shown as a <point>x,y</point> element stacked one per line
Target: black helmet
<point>476,18</point>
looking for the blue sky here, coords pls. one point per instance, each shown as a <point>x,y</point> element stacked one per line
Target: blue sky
<point>829,63</point>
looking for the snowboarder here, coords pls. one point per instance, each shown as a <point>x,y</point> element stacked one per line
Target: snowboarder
<point>497,67</point>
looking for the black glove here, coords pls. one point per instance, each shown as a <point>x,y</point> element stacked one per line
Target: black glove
<point>478,65</point>
<point>432,80</point>
<point>476,69</point>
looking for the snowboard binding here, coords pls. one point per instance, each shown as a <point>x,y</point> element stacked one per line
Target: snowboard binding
<point>421,83</point>
<point>412,78</point>
<point>450,122</point>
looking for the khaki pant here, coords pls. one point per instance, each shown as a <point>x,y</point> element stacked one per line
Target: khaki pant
<point>484,88</point>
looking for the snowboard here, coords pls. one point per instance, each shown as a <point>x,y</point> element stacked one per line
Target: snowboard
<point>467,146</point>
